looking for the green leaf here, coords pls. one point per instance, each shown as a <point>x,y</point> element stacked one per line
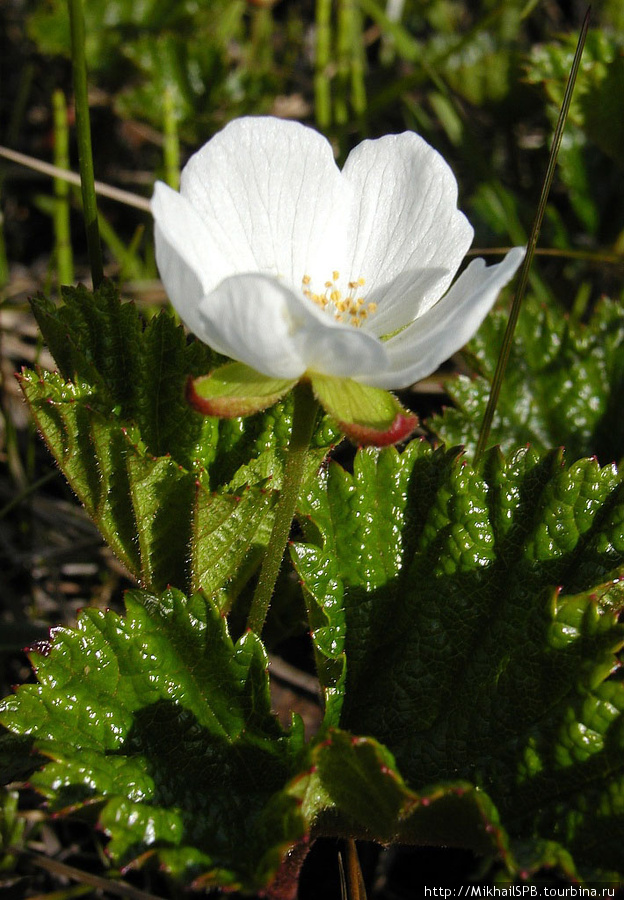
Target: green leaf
<point>590,159</point>
<point>365,795</point>
<point>491,690</point>
<point>162,495</point>
<point>138,372</point>
<point>355,789</point>
<point>367,415</point>
<point>162,724</point>
<point>474,618</point>
<point>165,723</point>
<point>91,451</point>
<point>12,828</point>
<point>482,69</point>
<point>17,759</point>
<point>235,390</point>
<point>228,530</point>
<point>563,385</point>
<point>150,509</point>
<point>162,482</point>
<point>595,104</point>
<point>164,63</point>
<point>108,23</point>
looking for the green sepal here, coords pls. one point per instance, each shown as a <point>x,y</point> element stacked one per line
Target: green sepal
<point>367,415</point>
<point>235,390</point>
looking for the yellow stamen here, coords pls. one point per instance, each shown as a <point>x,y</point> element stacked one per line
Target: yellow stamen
<point>350,308</point>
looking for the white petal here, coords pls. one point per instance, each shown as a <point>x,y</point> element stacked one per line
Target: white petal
<point>247,317</point>
<point>259,321</point>
<point>404,220</point>
<point>332,348</point>
<point>181,241</point>
<point>272,198</point>
<point>418,350</point>
<point>409,296</point>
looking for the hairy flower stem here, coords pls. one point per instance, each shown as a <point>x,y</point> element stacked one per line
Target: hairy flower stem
<point>304,417</point>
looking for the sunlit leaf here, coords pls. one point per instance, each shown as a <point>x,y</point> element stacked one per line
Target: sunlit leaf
<point>162,481</point>
<point>165,722</point>
<point>563,385</point>
<point>468,621</point>
<point>594,106</point>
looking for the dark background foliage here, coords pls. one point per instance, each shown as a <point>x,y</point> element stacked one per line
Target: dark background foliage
<point>481,81</point>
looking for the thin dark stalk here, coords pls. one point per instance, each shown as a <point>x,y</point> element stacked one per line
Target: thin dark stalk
<point>106,885</point>
<point>503,358</point>
<point>599,257</point>
<point>26,492</point>
<point>355,879</point>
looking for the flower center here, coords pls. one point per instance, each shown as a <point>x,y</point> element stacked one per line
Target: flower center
<point>350,308</point>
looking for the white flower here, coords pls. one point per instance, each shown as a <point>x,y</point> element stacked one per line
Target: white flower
<point>277,259</point>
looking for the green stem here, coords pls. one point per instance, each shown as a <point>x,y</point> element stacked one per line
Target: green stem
<point>62,233</point>
<point>343,60</point>
<point>262,40</point>
<point>358,64</point>
<point>304,417</point>
<point>171,147</point>
<point>83,133</point>
<point>322,54</point>
<point>4,260</point>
